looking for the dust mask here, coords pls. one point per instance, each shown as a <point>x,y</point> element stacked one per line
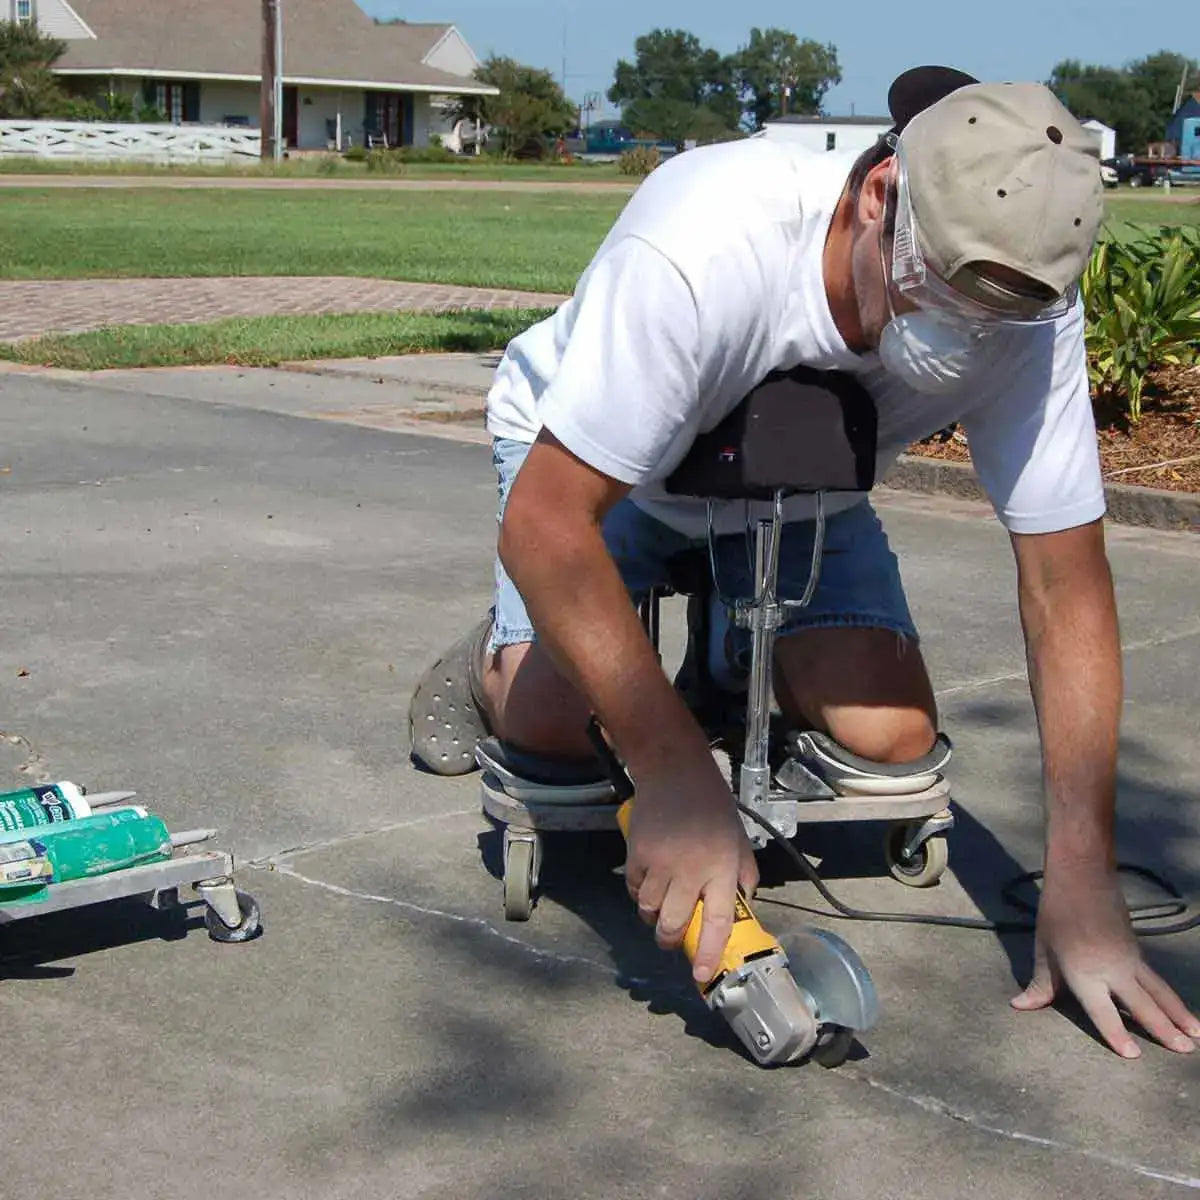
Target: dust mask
<point>930,353</point>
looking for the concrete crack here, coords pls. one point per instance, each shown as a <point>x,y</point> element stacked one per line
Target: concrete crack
<point>929,1104</point>
<point>940,1108</point>
<point>273,859</point>
<point>485,927</point>
<point>973,685</point>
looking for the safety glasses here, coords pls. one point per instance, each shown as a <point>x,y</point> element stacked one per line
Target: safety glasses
<point>920,285</point>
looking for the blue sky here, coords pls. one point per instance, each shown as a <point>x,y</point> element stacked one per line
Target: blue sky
<point>1017,39</point>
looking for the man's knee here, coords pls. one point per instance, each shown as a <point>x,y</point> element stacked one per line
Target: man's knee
<point>531,706</point>
<point>866,688</point>
<point>884,735</point>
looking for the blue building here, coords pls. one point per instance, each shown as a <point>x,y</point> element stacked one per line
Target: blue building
<point>1184,128</point>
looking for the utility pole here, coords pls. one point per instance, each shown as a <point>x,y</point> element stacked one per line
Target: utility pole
<point>271,91</point>
<point>1179,89</point>
<point>278,80</point>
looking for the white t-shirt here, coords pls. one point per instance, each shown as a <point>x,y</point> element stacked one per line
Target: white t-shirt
<point>712,278</point>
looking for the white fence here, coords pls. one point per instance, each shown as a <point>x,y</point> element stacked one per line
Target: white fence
<point>110,142</point>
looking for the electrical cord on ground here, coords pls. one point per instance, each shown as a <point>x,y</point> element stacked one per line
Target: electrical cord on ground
<point>1176,906</point>
<point>1139,914</point>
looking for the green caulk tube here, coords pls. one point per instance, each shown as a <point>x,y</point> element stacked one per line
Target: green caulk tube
<point>46,804</point>
<point>82,849</point>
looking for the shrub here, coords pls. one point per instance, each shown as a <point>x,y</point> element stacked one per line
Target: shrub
<point>80,108</point>
<point>355,154</point>
<point>385,162</point>
<point>425,154</point>
<point>1142,307</point>
<point>640,160</point>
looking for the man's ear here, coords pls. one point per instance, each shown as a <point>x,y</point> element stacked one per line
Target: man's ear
<point>872,198</point>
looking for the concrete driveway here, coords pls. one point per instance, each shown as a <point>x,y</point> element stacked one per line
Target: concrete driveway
<point>223,602</point>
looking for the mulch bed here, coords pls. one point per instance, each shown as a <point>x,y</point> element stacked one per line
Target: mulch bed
<point>1161,451</point>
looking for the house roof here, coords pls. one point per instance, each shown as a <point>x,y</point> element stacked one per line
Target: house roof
<point>324,42</point>
<point>796,119</point>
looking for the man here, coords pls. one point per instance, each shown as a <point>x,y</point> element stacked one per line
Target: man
<point>941,269</point>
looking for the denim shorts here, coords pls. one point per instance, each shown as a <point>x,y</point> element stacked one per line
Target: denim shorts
<point>859,584</point>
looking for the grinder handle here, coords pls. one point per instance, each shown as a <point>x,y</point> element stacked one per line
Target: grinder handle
<point>747,940</point>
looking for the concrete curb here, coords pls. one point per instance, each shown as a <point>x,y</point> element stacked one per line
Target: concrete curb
<point>1127,504</point>
<point>466,391</point>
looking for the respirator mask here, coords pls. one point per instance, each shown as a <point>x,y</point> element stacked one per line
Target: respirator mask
<point>943,341</point>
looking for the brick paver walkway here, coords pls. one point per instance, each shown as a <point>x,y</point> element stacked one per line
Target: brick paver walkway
<point>552,183</point>
<point>29,308</point>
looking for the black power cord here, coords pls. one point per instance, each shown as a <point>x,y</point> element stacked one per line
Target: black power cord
<point>1175,906</point>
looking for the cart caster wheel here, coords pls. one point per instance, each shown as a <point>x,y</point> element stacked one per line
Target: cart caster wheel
<point>923,868</point>
<point>247,928</point>
<point>833,1046</point>
<point>518,880</point>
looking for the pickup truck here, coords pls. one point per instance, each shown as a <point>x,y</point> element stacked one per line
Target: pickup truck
<point>1140,171</point>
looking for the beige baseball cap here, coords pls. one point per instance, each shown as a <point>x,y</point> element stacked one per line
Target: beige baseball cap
<point>1001,174</point>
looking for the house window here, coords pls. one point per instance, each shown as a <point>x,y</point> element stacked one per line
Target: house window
<point>23,11</point>
<point>831,141</point>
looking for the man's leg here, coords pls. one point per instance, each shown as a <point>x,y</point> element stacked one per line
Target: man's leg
<point>497,680</point>
<point>849,664</point>
<point>528,704</point>
<point>866,688</point>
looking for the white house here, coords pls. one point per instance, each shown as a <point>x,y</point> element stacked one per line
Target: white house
<point>830,133</point>
<point>346,79</point>
<point>1105,135</point>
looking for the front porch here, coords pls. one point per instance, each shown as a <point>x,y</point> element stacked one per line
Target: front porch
<point>315,117</point>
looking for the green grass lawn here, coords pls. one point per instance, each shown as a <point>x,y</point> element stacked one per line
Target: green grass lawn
<point>533,241</point>
<point>266,341</point>
<point>536,241</point>
<point>1125,214</point>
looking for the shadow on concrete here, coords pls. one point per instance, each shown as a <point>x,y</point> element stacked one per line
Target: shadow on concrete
<point>27,946</point>
<point>580,874</point>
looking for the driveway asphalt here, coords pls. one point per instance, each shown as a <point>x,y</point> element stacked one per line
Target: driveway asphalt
<point>220,587</point>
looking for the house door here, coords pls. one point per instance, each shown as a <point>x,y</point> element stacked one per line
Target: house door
<point>291,117</point>
<point>390,105</point>
<point>387,119</point>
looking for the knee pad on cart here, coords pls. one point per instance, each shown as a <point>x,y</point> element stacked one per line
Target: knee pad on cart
<point>850,774</point>
<point>534,778</point>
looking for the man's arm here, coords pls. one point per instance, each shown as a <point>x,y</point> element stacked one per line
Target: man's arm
<point>1084,938</point>
<point>686,843</point>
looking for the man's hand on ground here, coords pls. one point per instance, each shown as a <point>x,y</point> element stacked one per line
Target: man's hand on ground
<point>686,844</point>
<point>1085,942</point>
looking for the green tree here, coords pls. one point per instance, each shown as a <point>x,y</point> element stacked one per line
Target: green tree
<point>1103,94</point>
<point>777,72</point>
<point>1159,76</point>
<point>1136,100</point>
<point>28,89</point>
<point>531,106</point>
<point>674,121</point>
<point>684,80</point>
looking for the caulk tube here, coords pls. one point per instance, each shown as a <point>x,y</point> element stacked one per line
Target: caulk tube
<point>46,804</point>
<point>100,820</point>
<point>83,849</point>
